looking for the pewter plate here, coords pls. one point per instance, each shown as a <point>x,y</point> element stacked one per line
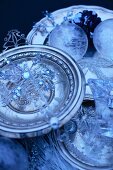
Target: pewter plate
<point>92,64</point>
<point>41,87</point>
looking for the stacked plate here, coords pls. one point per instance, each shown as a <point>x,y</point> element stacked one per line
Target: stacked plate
<point>44,87</point>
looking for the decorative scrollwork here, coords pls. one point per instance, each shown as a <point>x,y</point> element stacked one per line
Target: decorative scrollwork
<point>14,39</point>
<point>27,84</point>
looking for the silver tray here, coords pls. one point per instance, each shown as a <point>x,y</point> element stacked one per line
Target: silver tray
<point>51,89</point>
<point>92,64</point>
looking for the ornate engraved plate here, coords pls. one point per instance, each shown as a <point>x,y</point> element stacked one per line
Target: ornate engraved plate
<point>92,64</point>
<point>42,28</point>
<point>80,143</point>
<point>40,88</point>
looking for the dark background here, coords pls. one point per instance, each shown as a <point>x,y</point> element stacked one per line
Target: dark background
<point>23,14</point>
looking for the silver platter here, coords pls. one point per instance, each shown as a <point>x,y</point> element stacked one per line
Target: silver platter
<point>77,146</point>
<point>92,64</point>
<point>51,89</point>
<point>38,34</point>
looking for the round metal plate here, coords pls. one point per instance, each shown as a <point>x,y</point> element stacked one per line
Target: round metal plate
<point>38,35</point>
<point>93,67</point>
<point>51,89</point>
<point>77,146</point>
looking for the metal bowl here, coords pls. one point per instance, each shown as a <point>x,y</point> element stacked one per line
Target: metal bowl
<point>51,89</point>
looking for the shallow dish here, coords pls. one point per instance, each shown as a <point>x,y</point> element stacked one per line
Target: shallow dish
<point>40,88</point>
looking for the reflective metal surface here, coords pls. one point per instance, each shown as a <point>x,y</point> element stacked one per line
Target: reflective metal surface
<point>93,65</point>
<point>81,144</point>
<point>42,28</point>
<point>40,88</point>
